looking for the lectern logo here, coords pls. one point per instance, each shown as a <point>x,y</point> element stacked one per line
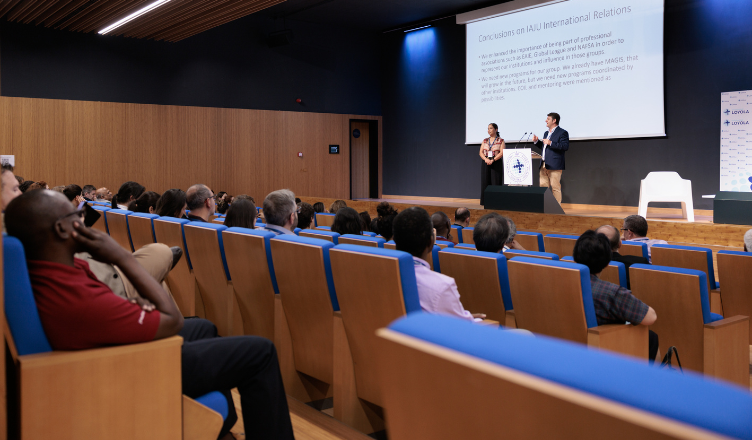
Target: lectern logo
<point>518,169</point>
<point>727,112</point>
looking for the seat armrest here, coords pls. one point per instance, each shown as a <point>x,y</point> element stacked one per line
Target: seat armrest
<point>726,354</point>
<point>490,322</point>
<point>510,320</point>
<point>622,338</point>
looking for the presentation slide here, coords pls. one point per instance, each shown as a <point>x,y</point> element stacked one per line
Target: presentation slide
<point>598,63</point>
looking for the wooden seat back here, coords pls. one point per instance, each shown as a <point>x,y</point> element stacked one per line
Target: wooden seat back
<point>169,231</point>
<point>735,269</point>
<point>481,279</point>
<point>511,253</point>
<point>320,234</point>
<point>361,240</point>
<point>205,244</point>
<point>548,297</point>
<point>374,287</point>
<point>686,257</point>
<point>677,300</point>
<point>253,278</point>
<point>324,219</point>
<point>467,236</point>
<point>117,225</point>
<point>306,287</point>
<point>390,245</point>
<point>528,379</point>
<point>141,228</point>
<point>531,241</point>
<point>561,245</point>
<point>634,248</point>
<point>615,272</point>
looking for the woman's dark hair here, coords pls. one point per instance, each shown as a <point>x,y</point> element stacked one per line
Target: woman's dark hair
<point>305,215</point>
<point>593,250</point>
<point>222,205</point>
<point>148,199</point>
<point>366,218</point>
<point>127,190</point>
<point>384,209</point>
<point>347,221</point>
<point>24,186</point>
<point>242,214</point>
<point>71,191</point>
<point>318,207</point>
<point>171,203</point>
<point>413,231</point>
<point>496,127</point>
<point>384,225</point>
<point>491,233</point>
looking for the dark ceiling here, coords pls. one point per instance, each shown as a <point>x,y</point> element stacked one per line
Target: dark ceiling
<point>372,15</point>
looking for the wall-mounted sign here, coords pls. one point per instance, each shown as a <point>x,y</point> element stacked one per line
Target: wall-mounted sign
<point>333,149</point>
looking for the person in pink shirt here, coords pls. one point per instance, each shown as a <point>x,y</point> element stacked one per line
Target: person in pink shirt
<point>414,234</point>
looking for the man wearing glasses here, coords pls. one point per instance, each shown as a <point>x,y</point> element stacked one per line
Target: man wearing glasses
<point>636,229</point>
<point>200,201</point>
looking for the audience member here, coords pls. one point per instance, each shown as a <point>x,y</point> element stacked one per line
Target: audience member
<point>128,192</point>
<point>145,203</point>
<point>336,206</point>
<point>462,217</point>
<point>59,188</point>
<point>511,240</point>
<point>414,234</point>
<point>366,218</point>
<point>280,212</point>
<point>242,214</point>
<point>615,241</point>
<point>38,185</point>
<point>25,185</point>
<point>636,229</point>
<point>10,186</point>
<point>613,304</point>
<point>89,193</point>
<point>104,194</point>
<point>74,194</point>
<point>172,204</point>
<point>385,219</point>
<point>443,228</point>
<point>297,200</point>
<point>748,241</point>
<point>20,179</point>
<point>491,233</point>
<point>318,207</point>
<point>305,215</point>
<point>223,204</point>
<point>200,201</point>
<point>78,312</point>
<point>347,221</point>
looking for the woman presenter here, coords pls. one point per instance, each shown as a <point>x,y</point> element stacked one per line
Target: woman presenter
<point>491,152</point>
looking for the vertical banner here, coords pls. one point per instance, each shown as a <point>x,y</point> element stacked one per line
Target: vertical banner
<point>736,141</point>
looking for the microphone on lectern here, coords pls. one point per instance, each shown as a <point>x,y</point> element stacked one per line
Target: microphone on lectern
<point>518,142</point>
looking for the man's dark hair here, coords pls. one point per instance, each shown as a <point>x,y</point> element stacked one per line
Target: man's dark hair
<point>347,221</point>
<point>6,167</point>
<point>71,191</point>
<point>89,188</point>
<point>30,216</point>
<point>24,186</point>
<point>593,250</point>
<point>491,232</point>
<point>413,231</point>
<point>555,117</point>
<point>127,190</point>
<point>461,214</point>
<point>441,224</point>
<point>318,207</point>
<point>242,214</point>
<point>613,236</point>
<point>305,215</point>
<point>196,198</point>
<point>20,179</point>
<point>637,224</point>
<point>171,203</point>
<point>297,200</point>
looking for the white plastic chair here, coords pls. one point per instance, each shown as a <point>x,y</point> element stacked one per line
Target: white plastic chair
<point>666,186</point>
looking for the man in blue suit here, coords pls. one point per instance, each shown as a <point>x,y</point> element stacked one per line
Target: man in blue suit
<point>554,143</point>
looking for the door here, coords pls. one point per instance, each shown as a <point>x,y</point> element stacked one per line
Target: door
<point>359,160</point>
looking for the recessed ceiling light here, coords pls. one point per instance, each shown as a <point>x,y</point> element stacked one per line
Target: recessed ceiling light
<point>133,16</point>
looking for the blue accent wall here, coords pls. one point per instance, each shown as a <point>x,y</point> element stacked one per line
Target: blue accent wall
<point>707,52</point>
